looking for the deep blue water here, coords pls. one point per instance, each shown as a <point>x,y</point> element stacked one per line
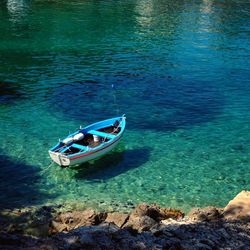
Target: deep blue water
<point>179,70</point>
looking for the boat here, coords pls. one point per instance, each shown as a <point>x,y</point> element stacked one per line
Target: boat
<point>89,143</point>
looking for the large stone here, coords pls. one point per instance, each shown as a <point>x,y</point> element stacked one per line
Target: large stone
<point>205,214</point>
<point>157,213</point>
<point>76,219</point>
<point>140,210</point>
<point>144,216</point>
<point>171,213</point>
<point>57,227</point>
<point>117,218</point>
<point>76,216</point>
<point>142,223</point>
<point>239,207</point>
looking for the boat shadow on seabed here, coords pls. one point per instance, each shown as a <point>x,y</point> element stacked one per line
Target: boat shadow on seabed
<point>113,164</point>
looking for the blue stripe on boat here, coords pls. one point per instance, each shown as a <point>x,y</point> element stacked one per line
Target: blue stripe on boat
<point>79,146</point>
<point>64,149</point>
<point>101,134</point>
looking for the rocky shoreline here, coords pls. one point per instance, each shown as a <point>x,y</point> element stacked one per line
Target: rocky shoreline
<point>145,227</point>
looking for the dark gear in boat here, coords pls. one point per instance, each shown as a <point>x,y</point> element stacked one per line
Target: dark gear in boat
<point>116,124</point>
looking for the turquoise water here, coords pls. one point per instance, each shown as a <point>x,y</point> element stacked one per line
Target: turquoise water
<point>178,69</point>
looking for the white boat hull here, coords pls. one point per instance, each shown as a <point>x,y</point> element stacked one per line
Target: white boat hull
<point>74,150</point>
<point>59,158</point>
<point>66,161</point>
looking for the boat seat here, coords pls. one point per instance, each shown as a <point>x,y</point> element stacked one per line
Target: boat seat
<point>64,149</point>
<point>101,134</point>
<point>81,147</point>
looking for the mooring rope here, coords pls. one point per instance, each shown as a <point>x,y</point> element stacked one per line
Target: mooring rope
<point>51,164</point>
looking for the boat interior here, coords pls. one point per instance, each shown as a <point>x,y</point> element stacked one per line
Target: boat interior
<point>92,139</point>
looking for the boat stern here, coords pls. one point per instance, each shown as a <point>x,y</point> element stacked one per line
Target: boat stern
<point>60,159</point>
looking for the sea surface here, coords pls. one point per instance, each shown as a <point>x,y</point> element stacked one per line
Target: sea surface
<point>180,72</point>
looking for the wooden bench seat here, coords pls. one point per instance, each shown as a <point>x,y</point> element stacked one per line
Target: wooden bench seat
<point>81,147</point>
<point>101,134</point>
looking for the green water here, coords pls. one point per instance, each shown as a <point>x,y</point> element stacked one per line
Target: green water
<point>178,69</point>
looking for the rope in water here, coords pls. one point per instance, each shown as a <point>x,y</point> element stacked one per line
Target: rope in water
<point>51,164</point>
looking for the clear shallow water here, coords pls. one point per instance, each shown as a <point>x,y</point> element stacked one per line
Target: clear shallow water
<point>178,69</point>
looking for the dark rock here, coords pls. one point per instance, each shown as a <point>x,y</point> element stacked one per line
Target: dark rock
<point>173,244</point>
<point>208,242</point>
<point>124,233</point>
<point>201,246</point>
<point>130,203</point>
<point>91,237</point>
<point>180,234</point>
<point>139,246</point>
<point>9,239</point>
<point>238,147</point>
<point>223,233</point>
<point>131,230</point>
<point>38,229</point>
<point>160,230</point>
<point>100,217</point>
